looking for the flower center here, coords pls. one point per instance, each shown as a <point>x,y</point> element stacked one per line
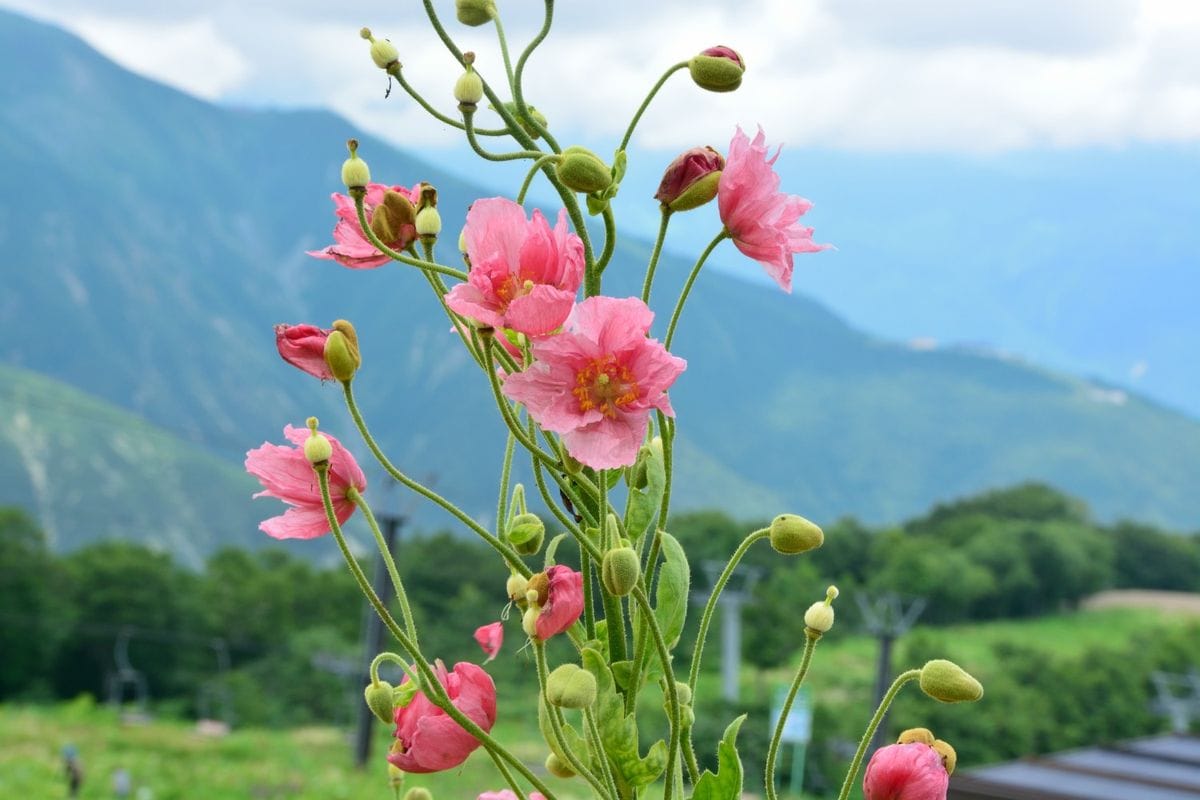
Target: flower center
<point>605,385</point>
<point>512,288</point>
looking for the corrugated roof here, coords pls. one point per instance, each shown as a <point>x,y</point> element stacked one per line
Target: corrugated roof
<point>1157,768</point>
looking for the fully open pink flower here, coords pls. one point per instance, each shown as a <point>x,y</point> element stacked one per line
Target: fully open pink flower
<point>350,247</point>
<point>564,601</point>
<point>597,381</point>
<point>524,275</point>
<point>508,794</point>
<point>762,221</point>
<point>428,740</point>
<point>490,638</point>
<point>286,473</point>
<point>906,772</point>
<point>303,346</point>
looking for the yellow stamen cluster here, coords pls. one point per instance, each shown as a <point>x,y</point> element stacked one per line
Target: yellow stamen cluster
<point>605,385</point>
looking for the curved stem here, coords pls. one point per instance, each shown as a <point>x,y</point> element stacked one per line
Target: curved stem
<point>506,552</point>
<point>469,126</point>
<point>852,773</point>
<point>646,103</point>
<point>439,289</point>
<point>664,655</point>
<point>398,74</point>
<point>689,756</point>
<point>506,412</point>
<point>539,651</point>
<point>710,606</point>
<point>508,70</point>
<point>654,254</point>
<point>687,286</point>
<point>546,160</point>
<point>597,744</point>
<point>610,239</point>
<point>395,255</point>
<point>405,610</point>
<point>812,637</point>
<point>396,659</point>
<point>585,564</point>
<point>518,86</point>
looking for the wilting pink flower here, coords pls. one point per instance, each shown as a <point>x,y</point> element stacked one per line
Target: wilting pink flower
<point>428,740</point>
<point>564,601</point>
<point>762,220</point>
<point>906,772</point>
<point>688,172</point>
<point>490,638</point>
<point>351,248</point>
<point>508,794</point>
<point>524,275</point>
<point>286,474</point>
<point>303,346</point>
<point>597,381</point>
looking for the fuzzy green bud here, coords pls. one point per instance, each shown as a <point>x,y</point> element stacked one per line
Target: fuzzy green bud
<point>383,52</point>
<point>429,223</point>
<point>530,617</point>
<point>526,533</point>
<point>583,171</point>
<point>949,757</point>
<point>341,356</point>
<point>922,735</point>
<point>418,793</point>
<point>683,693</point>
<point>317,448</point>
<point>379,700</point>
<point>948,682</point>
<point>819,616</point>
<point>474,12</point>
<point>355,173</point>
<point>558,768</point>
<point>717,69</point>
<point>468,89</point>
<point>620,571</point>
<point>792,534</point>
<point>515,588</point>
<point>571,686</point>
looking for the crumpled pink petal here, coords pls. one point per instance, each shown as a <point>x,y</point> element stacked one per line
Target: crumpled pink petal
<point>906,772</point>
<point>429,739</point>
<point>490,638</point>
<point>303,346</point>
<point>352,249</point>
<point>564,602</point>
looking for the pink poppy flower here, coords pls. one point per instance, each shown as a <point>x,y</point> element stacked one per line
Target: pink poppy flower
<point>490,638</point>
<point>427,739</point>
<point>906,772</point>
<point>597,381</point>
<point>303,346</point>
<point>524,275</point>
<point>351,248</point>
<point>761,220</point>
<point>508,794</point>
<point>286,474</point>
<point>563,604</point>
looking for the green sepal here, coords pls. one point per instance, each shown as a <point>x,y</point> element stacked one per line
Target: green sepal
<point>551,549</point>
<point>613,477</point>
<point>620,161</point>
<point>596,205</point>
<point>618,730</point>
<point>726,783</point>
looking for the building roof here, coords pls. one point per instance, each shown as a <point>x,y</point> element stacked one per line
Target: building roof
<point>1155,768</point>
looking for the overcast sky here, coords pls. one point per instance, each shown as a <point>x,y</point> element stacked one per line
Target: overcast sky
<point>858,75</point>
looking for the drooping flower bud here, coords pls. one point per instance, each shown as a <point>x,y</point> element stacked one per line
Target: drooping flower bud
<point>583,171</point>
<point>691,179</point>
<point>948,682</point>
<point>383,52</point>
<point>317,447</point>
<point>949,757</point>
<point>468,89</point>
<point>718,69</point>
<point>475,12</point>
<point>526,533</point>
<point>571,686</point>
<point>792,534</point>
<point>922,735</point>
<point>379,700</point>
<point>819,616</point>
<point>341,351</point>
<point>620,571</point>
<point>355,173</point>
<point>558,768</point>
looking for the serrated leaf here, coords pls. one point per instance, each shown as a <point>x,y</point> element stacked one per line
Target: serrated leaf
<point>726,783</point>
<point>618,731</point>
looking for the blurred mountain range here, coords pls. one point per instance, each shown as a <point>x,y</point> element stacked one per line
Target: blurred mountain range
<point>151,240</point>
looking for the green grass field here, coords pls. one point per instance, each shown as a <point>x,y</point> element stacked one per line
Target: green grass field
<point>176,762</point>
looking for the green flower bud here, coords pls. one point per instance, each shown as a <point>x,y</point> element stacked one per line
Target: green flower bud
<point>688,716</point>
<point>462,241</point>
<point>530,617</point>
<point>948,682</point>
<point>683,693</point>
<point>717,69</point>
<point>395,779</point>
<point>379,700</point>
<point>792,534</point>
<point>571,686</point>
<point>474,12</point>
<point>317,448</point>
<point>526,123</point>
<point>526,533</point>
<point>341,356</point>
<point>468,89</point>
<point>418,793</point>
<point>922,735</point>
<point>355,174</point>
<point>429,223</point>
<point>515,587</point>
<point>583,171</point>
<point>383,52</point>
<point>819,617</point>
<point>620,571</point>
<point>949,757</point>
<point>558,768</point>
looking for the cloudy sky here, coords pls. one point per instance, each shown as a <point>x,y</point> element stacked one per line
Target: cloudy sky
<point>858,75</point>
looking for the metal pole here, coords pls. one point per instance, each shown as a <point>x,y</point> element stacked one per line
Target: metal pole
<point>731,643</point>
<point>373,637</point>
<point>883,680</point>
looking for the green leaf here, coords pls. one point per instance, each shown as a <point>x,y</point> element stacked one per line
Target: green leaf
<point>671,593</point>
<point>618,731</point>
<point>621,671</point>
<point>552,548</point>
<point>596,205</point>
<point>644,503</point>
<point>573,739</point>
<point>620,161</point>
<point>726,784</point>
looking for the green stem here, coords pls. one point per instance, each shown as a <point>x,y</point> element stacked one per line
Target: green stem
<point>856,763</point>
<point>664,656</point>
<point>646,103</point>
<point>502,403</point>
<point>439,290</point>
<point>597,745</point>
<point>353,496</point>
<point>505,477</point>
<point>687,286</point>
<point>508,776</point>
<point>396,659</point>
<point>469,126</point>
<point>395,255</point>
<point>506,552</point>
<point>508,70</point>
<point>666,430</point>
<point>812,637</point>
<point>710,606</point>
<point>654,254</point>
<point>545,160</point>
<point>398,74</point>
<point>610,239</point>
<point>689,756</point>
<point>539,650</point>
